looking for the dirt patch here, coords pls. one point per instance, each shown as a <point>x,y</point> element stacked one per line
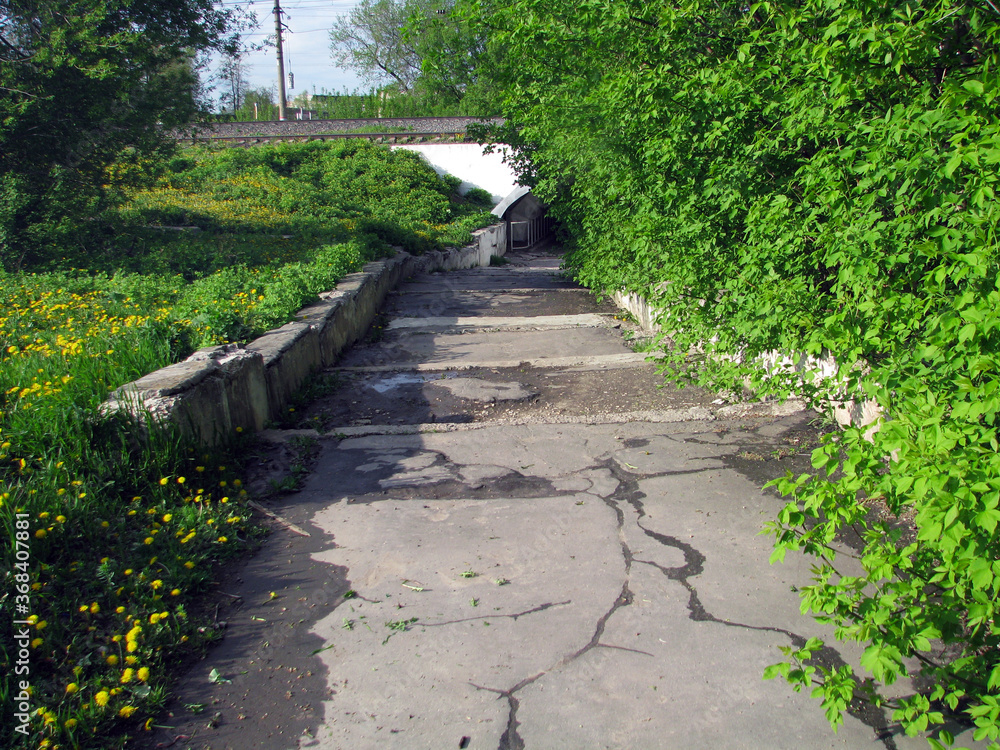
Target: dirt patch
<point>424,398</point>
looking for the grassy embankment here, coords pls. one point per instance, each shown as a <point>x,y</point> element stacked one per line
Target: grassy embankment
<point>114,535</point>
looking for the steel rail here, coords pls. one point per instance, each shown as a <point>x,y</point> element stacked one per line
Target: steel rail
<point>382,137</point>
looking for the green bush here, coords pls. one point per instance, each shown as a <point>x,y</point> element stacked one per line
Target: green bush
<point>814,177</point>
<point>479,197</point>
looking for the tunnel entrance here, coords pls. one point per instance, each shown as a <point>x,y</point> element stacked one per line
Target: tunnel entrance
<point>528,223</point>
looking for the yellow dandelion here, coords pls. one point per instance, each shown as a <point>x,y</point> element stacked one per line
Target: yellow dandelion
<point>143,673</point>
<point>128,675</point>
<point>101,699</point>
<point>72,688</point>
<point>112,659</point>
<point>126,711</point>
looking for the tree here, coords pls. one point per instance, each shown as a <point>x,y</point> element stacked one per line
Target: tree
<point>232,80</point>
<point>455,58</point>
<point>425,49</point>
<point>370,40</point>
<point>81,83</point>
<point>258,104</point>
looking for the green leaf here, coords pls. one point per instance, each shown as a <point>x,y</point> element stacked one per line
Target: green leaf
<point>953,163</point>
<point>967,332</point>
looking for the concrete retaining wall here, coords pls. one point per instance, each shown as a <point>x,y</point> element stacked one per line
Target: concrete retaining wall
<point>859,413</point>
<point>221,388</point>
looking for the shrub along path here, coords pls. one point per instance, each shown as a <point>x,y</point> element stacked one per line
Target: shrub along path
<point>516,539</point>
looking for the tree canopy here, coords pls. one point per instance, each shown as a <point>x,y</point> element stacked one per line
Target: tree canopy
<point>425,49</point>
<point>82,84</point>
<point>370,40</point>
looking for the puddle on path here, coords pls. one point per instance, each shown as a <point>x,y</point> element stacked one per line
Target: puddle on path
<point>391,382</point>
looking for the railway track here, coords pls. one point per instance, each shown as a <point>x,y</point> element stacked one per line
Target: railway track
<point>383,130</point>
<point>250,140</point>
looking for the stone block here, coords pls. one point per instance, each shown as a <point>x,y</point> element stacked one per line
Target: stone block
<point>208,395</point>
<point>291,354</point>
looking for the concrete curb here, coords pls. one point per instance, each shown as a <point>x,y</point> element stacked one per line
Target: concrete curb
<point>222,389</point>
<point>847,412</point>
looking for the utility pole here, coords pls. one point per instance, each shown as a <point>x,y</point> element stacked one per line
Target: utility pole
<point>281,61</point>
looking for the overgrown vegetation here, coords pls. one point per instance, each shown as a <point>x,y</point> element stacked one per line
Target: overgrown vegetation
<point>114,533</point>
<point>811,177</point>
<point>81,82</point>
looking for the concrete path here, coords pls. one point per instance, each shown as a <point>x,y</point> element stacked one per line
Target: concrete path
<point>512,537</point>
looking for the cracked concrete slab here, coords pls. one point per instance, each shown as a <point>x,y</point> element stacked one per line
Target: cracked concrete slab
<point>532,556</point>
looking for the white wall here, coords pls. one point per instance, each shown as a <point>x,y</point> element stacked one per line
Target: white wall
<point>467,162</point>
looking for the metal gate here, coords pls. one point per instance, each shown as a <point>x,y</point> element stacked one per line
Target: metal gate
<point>525,234</point>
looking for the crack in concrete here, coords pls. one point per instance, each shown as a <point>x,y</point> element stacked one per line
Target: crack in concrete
<point>694,559</point>
<point>511,738</point>
<point>513,616</point>
<point>695,564</point>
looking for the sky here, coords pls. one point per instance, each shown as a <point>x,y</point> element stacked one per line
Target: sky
<point>306,43</point>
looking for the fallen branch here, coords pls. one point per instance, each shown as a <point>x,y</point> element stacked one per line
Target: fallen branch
<point>283,521</point>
